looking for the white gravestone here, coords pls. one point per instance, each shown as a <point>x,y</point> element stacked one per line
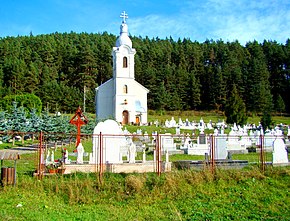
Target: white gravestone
<point>215,132</point>
<point>186,142</point>
<point>177,130</point>
<point>66,159</point>
<point>110,142</point>
<point>233,144</point>
<point>167,143</point>
<point>180,123</point>
<point>280,155</point>
<point>220,152</point>
<point>52,156</point>
<point>144,156</point>
<point>269,138</point>
<point>200,148</point>
<point>132,153</point>
<point>80,152</point>
<point>48,158</point>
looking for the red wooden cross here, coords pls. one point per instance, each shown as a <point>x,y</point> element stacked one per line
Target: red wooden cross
<point>79,119</point>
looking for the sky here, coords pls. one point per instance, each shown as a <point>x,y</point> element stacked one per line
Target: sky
<point>198,20</point>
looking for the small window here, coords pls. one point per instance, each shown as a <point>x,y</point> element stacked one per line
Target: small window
<point>125,62</point>
<point>125,89</point>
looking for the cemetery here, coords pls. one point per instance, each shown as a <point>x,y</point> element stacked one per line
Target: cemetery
<point>115,149</point>
<point>112,151</point>
<point>117,157</point>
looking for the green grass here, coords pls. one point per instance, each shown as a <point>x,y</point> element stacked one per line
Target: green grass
<point>180,195</point>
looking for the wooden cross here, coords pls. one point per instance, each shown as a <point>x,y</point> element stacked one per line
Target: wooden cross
<point>79,119</point>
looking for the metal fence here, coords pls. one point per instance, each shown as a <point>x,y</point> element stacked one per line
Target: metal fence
<point>142,152</point>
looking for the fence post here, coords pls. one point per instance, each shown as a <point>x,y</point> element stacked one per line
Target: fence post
<point>40,156</point>
<point>158,155</point>
<point>101,157</point>
<point>212,153</point>
<point>262,154</point>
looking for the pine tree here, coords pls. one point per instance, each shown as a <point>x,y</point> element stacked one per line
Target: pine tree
<point>35,122</point>
<point>258,93</point>
<point>235,109</point>
<point>266,120</point>
<point>280,105</point>
<point>194,92</point>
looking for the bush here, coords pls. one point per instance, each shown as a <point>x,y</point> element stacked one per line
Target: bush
<point>134,184</point>
<point>28,101</point>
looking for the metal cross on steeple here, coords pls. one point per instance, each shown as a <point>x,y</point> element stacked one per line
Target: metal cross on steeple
<point>124,16</point>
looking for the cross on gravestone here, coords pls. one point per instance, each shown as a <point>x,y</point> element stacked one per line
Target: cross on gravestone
<point>124,16</point>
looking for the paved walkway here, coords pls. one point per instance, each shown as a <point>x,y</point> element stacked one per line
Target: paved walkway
<point>21,150</point>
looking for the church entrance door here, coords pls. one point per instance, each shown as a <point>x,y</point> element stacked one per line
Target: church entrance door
<point>125,117</point>
<point>137,120</point>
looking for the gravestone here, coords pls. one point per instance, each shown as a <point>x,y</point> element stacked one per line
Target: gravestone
<point>209,125</point>
<point>144,156</point>
<point>167,123</point>
<point>269,138</point>
<point>110,142</point>
<point>202,139</point>
<point>186,142</point>
<point>215,132</point>
<point>132,153</point>
<point>66,159</point>
<point>201,125</point>
<point>172,122</point>
<point>146,137</point>
<point>48,158</point>
<point>126,132</point>
<point>80,156</point>
<point>180,123</point>
<point>167,143</point>
<point>234,144</point>
<point>177,130</point>
<point>220,152</point>
<point>52,156</point>
<point>280,155</point>
<point>139,132</point>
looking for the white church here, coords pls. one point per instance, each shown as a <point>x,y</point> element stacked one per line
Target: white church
<point>122,98</point>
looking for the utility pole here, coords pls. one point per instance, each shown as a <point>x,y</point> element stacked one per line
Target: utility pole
<point>84,98</point>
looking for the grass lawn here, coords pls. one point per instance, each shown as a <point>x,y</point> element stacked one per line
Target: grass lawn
<point>244,194</point>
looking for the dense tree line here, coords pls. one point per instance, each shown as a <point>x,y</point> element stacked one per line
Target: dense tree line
<point>181,75</point>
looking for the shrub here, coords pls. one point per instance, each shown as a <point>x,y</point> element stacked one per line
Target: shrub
<point>134,184</point>
<point>28,101</point>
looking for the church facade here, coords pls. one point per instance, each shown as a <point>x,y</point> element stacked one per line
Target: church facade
<point>122,98</point>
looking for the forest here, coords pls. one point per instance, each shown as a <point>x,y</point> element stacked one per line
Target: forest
<point>181,74</point>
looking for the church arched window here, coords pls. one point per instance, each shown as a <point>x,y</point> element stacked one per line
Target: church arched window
<point>125,89</point>
<point>125,62</point>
